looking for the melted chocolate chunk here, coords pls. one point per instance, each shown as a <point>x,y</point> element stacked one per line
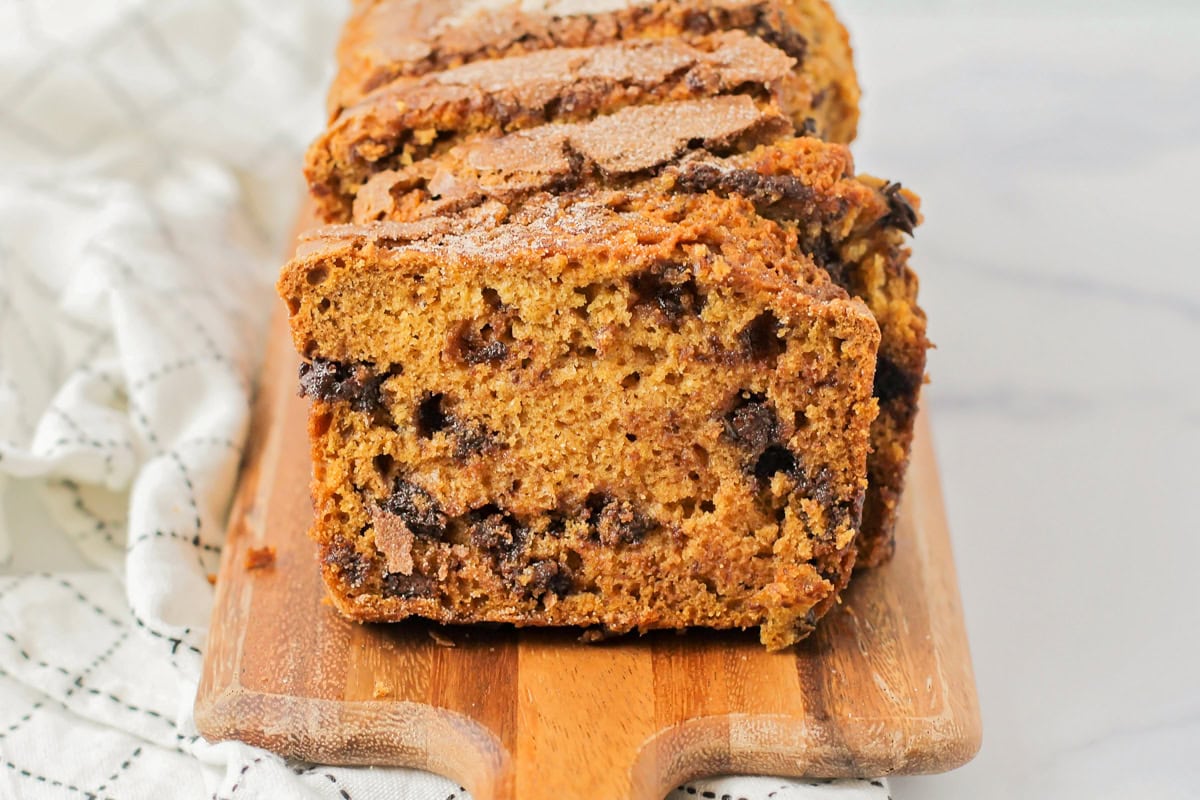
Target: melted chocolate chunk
<point>407,586</point>
<point>892,382</point>
<point>669,288</point>
<point>753,425</point>
<point>359,384</point>
<point>487,353</point>
<point>469,439</point>
<point>350,564</point>
<point>901,213</point>
<point>762,190</point>
<point>502,537</point>
<point>820,486</point>
<point>786,39</point>
<point>546,576</point>
<point>479,345</point>
<point>854,509</point>
<point>616,522</point>
<point>825,255</point>
<point>485,341</point>
<point>416,508</point>
<point>698,22</point>
<point>499,534</point>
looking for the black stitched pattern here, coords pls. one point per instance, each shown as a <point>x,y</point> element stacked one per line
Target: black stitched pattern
<point>795,789</point>
<point>57,784</point>
<point>97,661</point>
<point>121,768</point>
<point>193,540</point>
<point>100,526</point>
<point>241,779</point>
<point>33,709</point>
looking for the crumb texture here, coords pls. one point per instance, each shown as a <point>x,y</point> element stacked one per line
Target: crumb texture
<point>656,426</point>
<point>608,331</point>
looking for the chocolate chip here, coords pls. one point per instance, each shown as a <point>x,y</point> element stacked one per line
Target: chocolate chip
<point>416,508</point>
<point>491,352</point>
<point>854,510</point>
<point>901,213</point>
<point>497,533</point>
<point>753,424</point>
<point>825,255</point>
<point>470,439</point>
<point>764,191</point>
<point>698,22</point>
<point>775,32</point>
<point>819,486</point>
<point>544,576</point>
<point>483,344</point>
<point>351,567</point>
<point>668,288</point>
<point>892,382</point>
<point>407,586</point>
<point>320,379</point>
<point>760,339</point>
<point>616,522</point>
<point>359,384</point>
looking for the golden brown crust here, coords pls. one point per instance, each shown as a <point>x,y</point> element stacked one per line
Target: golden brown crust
<point>856,228</point>
<point>621,410</point>
<point>396,38</point>
<point>560,157</point>
<point>413,117</point>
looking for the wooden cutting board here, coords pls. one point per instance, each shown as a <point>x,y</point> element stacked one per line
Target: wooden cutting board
<point>883,687</point>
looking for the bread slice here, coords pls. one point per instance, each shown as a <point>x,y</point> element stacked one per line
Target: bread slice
<point>412,118</point>
<point>608,409</point>
<point>389,39</point>
<point>854,227</point>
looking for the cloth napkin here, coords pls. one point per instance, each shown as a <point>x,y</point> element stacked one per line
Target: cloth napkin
<point>150,154</point>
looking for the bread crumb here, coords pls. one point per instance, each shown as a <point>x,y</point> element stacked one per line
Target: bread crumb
<point>383,689</point>
<point>440,640</point>
<point>212,578</point>
<point>260,557</point>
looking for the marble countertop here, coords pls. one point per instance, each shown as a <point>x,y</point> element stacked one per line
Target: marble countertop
<point>1058,155</point>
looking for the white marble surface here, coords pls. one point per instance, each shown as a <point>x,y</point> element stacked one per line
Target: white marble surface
<point>1058,153</point>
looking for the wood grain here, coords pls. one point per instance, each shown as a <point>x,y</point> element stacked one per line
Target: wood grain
<point>884,687</point>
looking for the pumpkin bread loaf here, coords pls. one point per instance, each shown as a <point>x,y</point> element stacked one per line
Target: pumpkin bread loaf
<point>605,409</point>
<point>854,227</point>
<point>609,332</point>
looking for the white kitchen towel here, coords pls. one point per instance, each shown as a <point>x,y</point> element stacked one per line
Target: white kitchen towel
<point>149,171</point>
